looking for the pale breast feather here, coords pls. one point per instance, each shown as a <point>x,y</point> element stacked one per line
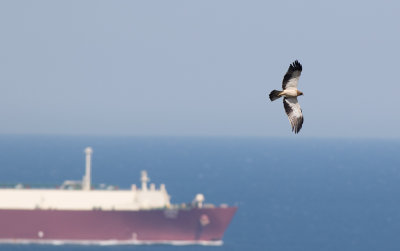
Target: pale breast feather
<point>292,75</point>
<point>294,113</point>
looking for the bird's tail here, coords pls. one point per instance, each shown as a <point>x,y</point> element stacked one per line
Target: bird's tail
<point>275,94</point>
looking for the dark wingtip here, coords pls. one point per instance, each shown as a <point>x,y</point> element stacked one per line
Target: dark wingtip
<point>296,66</point>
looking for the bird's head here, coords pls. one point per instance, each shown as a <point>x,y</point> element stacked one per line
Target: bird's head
<point>299,93</point>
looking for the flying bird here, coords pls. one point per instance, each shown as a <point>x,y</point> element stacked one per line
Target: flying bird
<point>290,94</point>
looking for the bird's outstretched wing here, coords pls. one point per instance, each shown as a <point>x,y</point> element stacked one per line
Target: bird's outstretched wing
<point>293,111</point>
<point>292,75</point>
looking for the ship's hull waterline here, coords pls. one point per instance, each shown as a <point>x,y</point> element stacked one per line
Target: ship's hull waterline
<point>203,226</point>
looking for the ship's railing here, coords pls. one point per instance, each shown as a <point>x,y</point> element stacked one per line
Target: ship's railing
<point>52,186</point>
<point>28,186</point>
<point>189,206</point>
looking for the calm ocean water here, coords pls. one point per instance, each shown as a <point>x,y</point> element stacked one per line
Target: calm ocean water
<point>292,194</point>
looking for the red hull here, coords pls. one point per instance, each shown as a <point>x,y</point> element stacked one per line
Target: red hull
<point>158,226</point>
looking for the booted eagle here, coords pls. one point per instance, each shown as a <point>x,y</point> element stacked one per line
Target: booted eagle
<point>289,94</point>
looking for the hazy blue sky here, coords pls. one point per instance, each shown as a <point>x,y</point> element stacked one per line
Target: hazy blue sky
<point>198,67</point>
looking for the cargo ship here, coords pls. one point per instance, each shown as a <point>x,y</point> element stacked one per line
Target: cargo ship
<point>77,213</point>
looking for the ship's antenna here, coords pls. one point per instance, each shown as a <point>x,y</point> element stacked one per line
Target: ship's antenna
<point>87,179</point>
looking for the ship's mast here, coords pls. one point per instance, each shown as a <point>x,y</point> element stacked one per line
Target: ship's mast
<point>144,180</point>
<point>87,183</point>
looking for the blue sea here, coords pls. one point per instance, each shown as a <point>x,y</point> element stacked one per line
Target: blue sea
<point>292,194</point>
